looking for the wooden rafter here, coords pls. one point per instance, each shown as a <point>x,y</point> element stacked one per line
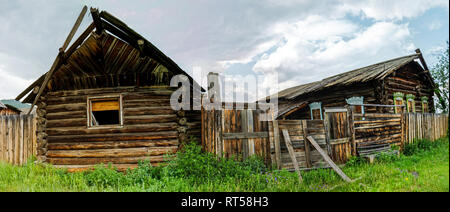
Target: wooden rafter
<point>60,57</point>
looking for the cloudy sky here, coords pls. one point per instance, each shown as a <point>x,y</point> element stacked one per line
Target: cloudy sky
<point>301,40</point>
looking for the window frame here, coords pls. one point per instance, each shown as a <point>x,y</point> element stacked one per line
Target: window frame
<point>316,106</point>
<point>398,96</point>
<point>424,100</point>
<point>410,98</point>
<point>89,110</point>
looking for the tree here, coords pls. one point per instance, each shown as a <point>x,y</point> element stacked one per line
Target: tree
<point>440,76</point>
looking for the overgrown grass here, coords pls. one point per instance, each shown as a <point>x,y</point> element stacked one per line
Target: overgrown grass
<point>424,166</point>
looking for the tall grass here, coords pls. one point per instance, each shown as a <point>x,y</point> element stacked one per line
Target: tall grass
<point>423,167</point>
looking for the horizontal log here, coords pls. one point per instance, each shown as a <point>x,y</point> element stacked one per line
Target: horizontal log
<point>376,121</point>
<point>378,115</point>
<point>57,100</point>
<point>75,122</point>
<point>93,161</point>
<point>146,103</point>
<point>112,144</point>
<point>81,168</point>
<point>66,114</point>
<point>160,90</point>
<point>113,153</point>
<point>378,138</point>
<point>149,119</point>
<point>245,135</point>
<point>113,137</point>
<point>67,107</point>
<point>166,110</point>
<point>106,130</point>
<point>384,125</point>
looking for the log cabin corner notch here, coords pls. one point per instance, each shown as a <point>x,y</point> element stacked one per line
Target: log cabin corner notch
<point>375,84</point>
<point>107,100</point>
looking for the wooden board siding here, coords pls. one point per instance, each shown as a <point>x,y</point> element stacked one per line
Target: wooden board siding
<point>425,126</point>
<point>235,133</point>
<point>150,128</point>
<point>17,138</point>
<point>377,129</point>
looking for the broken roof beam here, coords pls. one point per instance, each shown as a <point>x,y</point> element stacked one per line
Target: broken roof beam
<point>29,88</point>
<point>74,29</point>
<point>97,21</point>
<point>60,58</point>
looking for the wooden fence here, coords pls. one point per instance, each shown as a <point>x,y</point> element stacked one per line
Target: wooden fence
<point>341,134</point>
<point>235,132</point>
<point>17,138</point>
<point>425,126</point>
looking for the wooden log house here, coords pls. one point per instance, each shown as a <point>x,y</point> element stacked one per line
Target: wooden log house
<point>399,81</point>
<point>106,99</point>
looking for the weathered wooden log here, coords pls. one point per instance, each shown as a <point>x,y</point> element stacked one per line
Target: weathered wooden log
<point>114,137</point>
<point>158,127</point>
<point>123,160</point>
<point>113,153</point>
<point>112,144</point>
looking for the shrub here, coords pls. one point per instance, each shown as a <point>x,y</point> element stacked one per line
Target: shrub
<point>418,146</point>
<point>105,177</point>
<point>192,163</point>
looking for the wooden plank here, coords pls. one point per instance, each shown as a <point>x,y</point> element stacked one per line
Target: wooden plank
<point>351,128</point>
<point>328,160</point>
<point>244,124</point>
<point>250,127</point>
<point>307,148</point>
<point>276,138</point>
<point>245,135</point>
<point>287,140</point>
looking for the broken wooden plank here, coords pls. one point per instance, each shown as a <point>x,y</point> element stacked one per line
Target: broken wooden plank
<point>328,160</point>
<point>287,140</point>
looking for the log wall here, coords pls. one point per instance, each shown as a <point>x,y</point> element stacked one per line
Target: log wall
<point>150,130</point>
<point>408,81</point>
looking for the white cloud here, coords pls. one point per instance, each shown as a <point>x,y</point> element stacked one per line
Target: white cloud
<point>318,47</point>
<point>11,85</point>
<point>434,25</point>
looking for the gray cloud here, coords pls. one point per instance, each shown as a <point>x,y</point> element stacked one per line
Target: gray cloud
<point>210,34</point>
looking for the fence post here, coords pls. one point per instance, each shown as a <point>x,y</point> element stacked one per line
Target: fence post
<point>306,143</point>
<point>276,139</point>
<point>351,127</point>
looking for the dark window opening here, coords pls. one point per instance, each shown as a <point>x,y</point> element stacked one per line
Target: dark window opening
<point>105,112</point>
<point>107,117</point>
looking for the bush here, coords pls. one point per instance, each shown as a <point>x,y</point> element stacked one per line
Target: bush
<point>192,163</point>
<point>419,146</point>
<point>105,177</point>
